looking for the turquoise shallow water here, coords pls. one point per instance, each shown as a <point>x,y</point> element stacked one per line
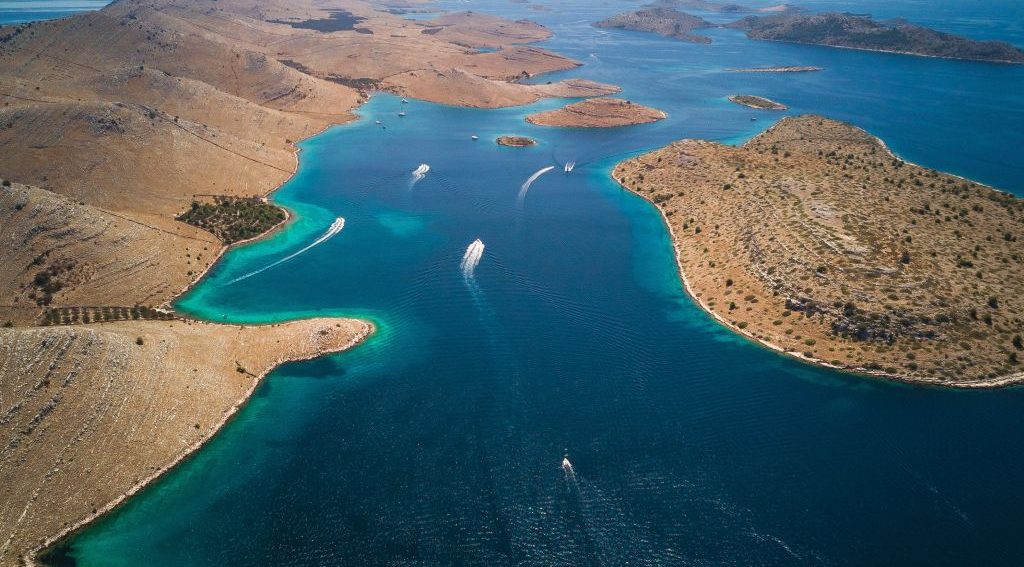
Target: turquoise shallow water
<point>440,440</point>
<point>19,11</point>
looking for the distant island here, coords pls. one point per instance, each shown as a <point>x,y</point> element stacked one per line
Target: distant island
<point>813,239</point>
<point>757,102</point>
<point>725,8</point>
<point>862,32</point>
<point>789,69</point>
<point>516,141</point>
<point>597,113</point>
<point>662,21</point>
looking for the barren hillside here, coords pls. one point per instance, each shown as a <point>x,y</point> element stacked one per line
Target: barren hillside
<point>90,257</point>
<point>89,413</point>
<point>812,237</point>
<point>111,124</point>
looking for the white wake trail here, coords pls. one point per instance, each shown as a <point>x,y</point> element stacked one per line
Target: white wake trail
<point>335,228</point>
<point>529,182</point>
<point>570,473</point>
<point>420,172</point>
<point>471,259</point>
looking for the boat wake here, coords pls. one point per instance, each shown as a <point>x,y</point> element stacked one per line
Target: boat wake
<point>335,228</point>
<point>526,186</point>
<point>570,473</point>
<point>420,172</point>
<point>471,259</point>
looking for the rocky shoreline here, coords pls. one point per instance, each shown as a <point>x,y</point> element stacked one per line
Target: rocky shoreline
<point>791,241</point>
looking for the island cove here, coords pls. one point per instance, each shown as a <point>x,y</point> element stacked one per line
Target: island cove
<point>570,342</point>
<point>209,124</point>
<point>489,338</point>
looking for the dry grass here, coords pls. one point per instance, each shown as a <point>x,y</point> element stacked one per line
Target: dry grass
<point>815,238</point>
<point>597,113</point>
<point>89,413</point>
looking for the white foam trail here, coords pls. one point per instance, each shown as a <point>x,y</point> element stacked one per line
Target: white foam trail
<point>335,228</point>
<point>570,473</point>
<point>569,166</point>
<point>420,172</point>
<point>526,186</point>
<point>471,259</point>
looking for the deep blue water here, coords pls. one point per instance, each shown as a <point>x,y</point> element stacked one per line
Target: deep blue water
<point>440,441</point>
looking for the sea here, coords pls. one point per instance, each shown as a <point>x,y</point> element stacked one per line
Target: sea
<point>552,396</point>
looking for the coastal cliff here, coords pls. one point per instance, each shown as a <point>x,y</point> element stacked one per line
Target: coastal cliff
<point>812,238</point>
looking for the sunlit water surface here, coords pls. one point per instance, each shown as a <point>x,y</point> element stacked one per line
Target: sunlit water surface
<point>441,440</point>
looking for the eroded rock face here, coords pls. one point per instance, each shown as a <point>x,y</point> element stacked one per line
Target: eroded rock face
<point>814,238</point>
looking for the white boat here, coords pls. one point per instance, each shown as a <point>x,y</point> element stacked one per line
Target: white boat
<point>378,123</point>
<point>401,114</point>
<point>405,101</point>
<point>474,137</point>
<point>474,252</point>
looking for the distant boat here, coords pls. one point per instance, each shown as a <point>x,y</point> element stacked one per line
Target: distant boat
<point>753,119</point>
<point>401,114</point>
<point>404,101</point>
<point>378,123</point>
<point>474,137</point>
<point>570,473</point>
<point>569,166</point>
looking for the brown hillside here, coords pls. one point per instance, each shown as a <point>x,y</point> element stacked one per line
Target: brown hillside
<point>813,238</point>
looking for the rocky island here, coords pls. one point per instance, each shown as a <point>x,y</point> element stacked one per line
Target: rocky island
<point>863,32</point>
<point>719,7</point>
<point>815,240</point>
<point>758,102</point>
<point>597,113</point>
<point>662,21</point>
<point>516,141</point>
<point>781,69</point>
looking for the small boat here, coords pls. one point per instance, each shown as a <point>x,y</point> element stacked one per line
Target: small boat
<point>474,137</point>
<point>404,101</point>
<point>753,119</point>
<point>378,123</point>
<point>401,114</point>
